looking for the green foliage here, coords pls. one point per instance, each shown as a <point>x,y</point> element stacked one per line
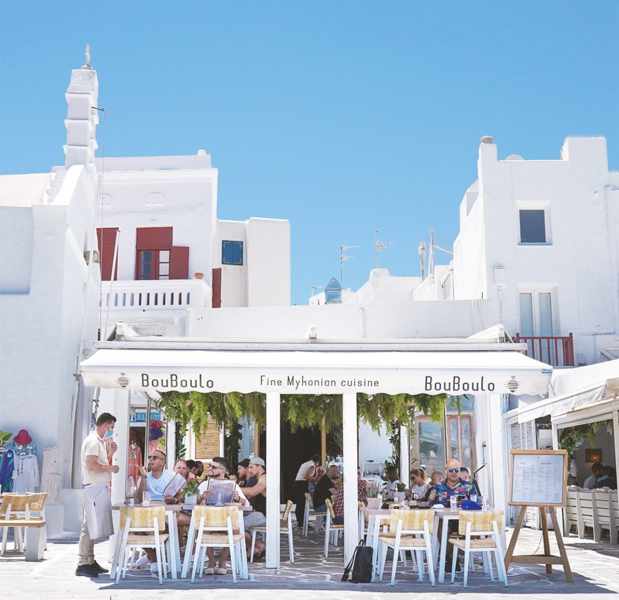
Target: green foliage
<point>571,438</point>
<point>300,410</point>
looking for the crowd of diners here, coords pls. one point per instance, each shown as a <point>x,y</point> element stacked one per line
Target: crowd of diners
<point>249,494</point>
<point>313,478</point>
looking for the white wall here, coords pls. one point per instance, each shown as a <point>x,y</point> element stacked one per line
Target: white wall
<point>185,200</point>
<point>268,262</point>
<point>233,277</point>
<point>41,330</point>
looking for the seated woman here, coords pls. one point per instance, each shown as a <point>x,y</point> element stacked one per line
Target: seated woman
<point>257,495</point>
<point>419,485</point>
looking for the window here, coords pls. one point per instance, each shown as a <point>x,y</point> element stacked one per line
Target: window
<point>231,252</point>
<point>157,258</point>
<point>532,226</point>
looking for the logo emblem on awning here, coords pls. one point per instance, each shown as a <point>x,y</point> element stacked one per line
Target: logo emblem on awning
<point>123,380</point>
<point>513,385</point>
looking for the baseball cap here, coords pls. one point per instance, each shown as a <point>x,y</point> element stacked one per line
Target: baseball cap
<point>256,460</point>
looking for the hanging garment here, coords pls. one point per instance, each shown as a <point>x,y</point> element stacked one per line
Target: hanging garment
<point>135,461</point>
<point>26,473</point>
<point>7,466</point>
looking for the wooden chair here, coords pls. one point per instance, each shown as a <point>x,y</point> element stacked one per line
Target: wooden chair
<point>142,527</point>
<point>482,533</point>
<point>285,529</point>
<point>310,513</point>
<point>24,512</point>
<point>409,530</point>
<point>331,529</point>
<point>219,527</point>
<point>604,512</point>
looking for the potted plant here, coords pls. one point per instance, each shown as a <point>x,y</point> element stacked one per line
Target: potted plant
<point>190,491</point>
<point>401,493</point>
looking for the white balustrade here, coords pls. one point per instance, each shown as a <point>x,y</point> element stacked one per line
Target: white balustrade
<point>149,295</point>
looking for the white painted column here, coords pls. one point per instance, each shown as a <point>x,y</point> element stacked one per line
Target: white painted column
<point>497,452</point>
<point>351,515</point>
<point>273,475</point>
<point>222,444</point>
<point>122,398</point>
<point>171,444</point>
<point>405,459</point>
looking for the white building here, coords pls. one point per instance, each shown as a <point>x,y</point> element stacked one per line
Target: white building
<point>537,251</point>
<point>150,227</point>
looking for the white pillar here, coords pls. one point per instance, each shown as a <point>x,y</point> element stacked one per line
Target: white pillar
<point>351,515</point>
<point>122,399</point>
<point>171,444</point>
<point>405,459</point>
<point>222,438</point>
<point>497,454</point>
<point>273,475</point>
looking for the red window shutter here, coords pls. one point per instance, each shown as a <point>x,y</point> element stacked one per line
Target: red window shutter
<point>153,238</point>
<point>179,262</point>
<point>106,241</point>
<point>216,288</point>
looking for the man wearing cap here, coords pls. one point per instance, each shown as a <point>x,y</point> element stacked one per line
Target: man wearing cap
<point>257,496</point>
<point>241,472</point>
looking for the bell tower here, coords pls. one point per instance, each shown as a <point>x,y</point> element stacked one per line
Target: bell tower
<point>82,115</point>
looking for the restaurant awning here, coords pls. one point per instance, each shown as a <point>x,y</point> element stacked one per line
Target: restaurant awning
<point>311,372</point>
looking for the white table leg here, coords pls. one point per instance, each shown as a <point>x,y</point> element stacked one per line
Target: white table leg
<point>34,543</point>
<point>173,533</point>
<point>188,549</point>
<point>441,566</point>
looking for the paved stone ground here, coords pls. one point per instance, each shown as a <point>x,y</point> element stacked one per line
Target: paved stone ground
<point>595,566</point>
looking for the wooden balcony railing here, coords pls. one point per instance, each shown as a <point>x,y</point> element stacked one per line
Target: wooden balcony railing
<point>555,350</point>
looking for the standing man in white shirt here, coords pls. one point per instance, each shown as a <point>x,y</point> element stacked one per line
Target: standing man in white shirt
<point>306,473</point>
<point>97,451</point>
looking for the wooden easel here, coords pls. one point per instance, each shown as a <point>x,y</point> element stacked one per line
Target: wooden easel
<point>546,558</point>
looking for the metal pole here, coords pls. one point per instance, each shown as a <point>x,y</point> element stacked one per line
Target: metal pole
<point>147,432</point>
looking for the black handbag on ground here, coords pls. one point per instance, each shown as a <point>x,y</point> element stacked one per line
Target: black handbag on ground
<point>359,569</point>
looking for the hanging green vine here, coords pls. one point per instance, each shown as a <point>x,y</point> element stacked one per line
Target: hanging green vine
<point>300,410</point>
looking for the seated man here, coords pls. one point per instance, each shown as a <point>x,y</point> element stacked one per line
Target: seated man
<point>337,497</point>
<point>181,468</point>
<point>441,494</point>
<point>257,496</point>
<point>161,485</point>
<point>218,471</point>
<point>323,487</point>
<point>241,472</point>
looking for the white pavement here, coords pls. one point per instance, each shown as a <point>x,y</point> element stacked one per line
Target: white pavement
<point>595,566</point>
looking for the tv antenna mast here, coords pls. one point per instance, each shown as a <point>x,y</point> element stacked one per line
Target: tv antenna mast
<point>343,257</point>
<point>379,246</point>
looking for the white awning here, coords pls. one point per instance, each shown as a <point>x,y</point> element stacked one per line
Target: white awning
<point>311,372</point>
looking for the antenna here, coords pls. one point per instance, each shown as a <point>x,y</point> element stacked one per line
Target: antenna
<point>421,252</point>
<point>343,257</point>
<point>379,246</point>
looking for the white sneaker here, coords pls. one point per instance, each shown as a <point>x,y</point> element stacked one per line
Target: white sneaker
<point>142,562</point>
<point>209,571</point>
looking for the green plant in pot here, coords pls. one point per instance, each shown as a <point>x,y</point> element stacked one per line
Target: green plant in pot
<point>190,491</point>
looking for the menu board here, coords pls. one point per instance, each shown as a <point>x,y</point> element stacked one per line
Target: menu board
<point>538,477</point>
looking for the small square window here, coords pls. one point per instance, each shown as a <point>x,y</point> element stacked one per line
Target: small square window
<point>164,256</point>
<point>164,269</point>
<point>532,227</point>
<point>231,252</point>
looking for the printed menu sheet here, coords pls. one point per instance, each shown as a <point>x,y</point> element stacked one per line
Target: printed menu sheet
<point>537,478</point>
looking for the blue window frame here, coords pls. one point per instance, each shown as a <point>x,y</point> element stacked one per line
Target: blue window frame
<point>231,252</point>
<point>532,227</point>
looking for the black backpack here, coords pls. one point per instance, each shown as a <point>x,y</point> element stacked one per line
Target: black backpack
<point>360,564</point>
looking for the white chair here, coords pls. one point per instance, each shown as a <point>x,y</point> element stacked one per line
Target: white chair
<point>142,527</point>
<point>24,512</point>
<point>285,529</point>
<point>409,530</point>
<point>482,533</point>
<point>220,527</point>
<point>310,513</point>
<point>331,529</point>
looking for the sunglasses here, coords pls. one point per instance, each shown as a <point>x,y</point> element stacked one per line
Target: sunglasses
<point>456,470</point>
<point>154,457</point>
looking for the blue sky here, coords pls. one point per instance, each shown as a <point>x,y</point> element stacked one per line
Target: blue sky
<point>344,117</point>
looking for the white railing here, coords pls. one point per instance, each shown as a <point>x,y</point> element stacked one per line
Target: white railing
<point>144,295</point>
